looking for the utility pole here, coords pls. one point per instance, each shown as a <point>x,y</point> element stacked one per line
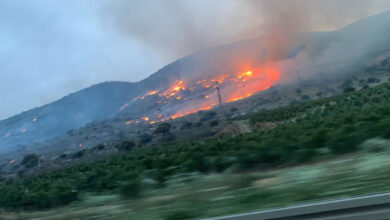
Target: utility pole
<point>219,96</point>
<point>222,116</point>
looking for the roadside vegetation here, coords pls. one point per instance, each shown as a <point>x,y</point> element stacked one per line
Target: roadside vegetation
<point>196,195</point>
<point>304,133</point>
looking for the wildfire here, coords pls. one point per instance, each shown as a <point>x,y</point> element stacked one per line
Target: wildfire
<point>233,87</point>
<point>220,79</point>
<point>123,106</point>
<point>247,74</point>
<point>177,115</point>
<point>153,92</point>
<point>80,145</point>
<point>177,87</point>
<point>34,120</point>
<point>253,81</point>
<point>12,161</point>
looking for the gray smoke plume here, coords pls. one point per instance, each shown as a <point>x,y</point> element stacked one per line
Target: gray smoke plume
<point>179,27</point>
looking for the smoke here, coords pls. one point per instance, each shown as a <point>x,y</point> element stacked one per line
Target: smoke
<point>176,28</point>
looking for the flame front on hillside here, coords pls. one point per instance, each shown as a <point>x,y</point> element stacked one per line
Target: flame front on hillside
<point>248,80</point>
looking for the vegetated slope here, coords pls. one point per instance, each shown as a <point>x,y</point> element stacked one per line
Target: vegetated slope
<point>349,47</point>
<point>302,133</point>
<point>63,151</point>
<point>71,112</point>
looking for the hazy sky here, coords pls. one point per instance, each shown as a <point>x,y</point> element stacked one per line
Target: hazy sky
<point>49,48</point>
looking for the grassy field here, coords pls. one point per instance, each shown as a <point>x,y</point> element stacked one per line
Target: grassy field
<point>192,196</point>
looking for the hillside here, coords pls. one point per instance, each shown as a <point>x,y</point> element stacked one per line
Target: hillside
<point>96,103</point>
<point>110,112</point>
<point>301,133</point>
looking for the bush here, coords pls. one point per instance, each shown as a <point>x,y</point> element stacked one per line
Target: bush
<point>145,138</point>
<point>346,84</point>
<point>100,147</point>
<point>345,144</point>
<point>214,123</point>
<point>132,189</point>
<point>186,125</point>
<point>305,97</point>
<point>375,145</point>
<point>349,89</point>
<point>372,80</point>
<point>208,115</point>
<point>126,146</point>
<point>30,161</point>
<point>79,154</point>
<point>163,128</point>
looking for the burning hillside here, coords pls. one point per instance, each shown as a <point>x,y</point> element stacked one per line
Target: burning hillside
<point>188,85</point>
<point>186,97</point>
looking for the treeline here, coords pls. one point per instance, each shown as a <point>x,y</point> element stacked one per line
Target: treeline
<point>306,131</point>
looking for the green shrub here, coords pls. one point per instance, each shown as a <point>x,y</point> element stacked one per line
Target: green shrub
<point>214,123</point>
<point>126,146</point>
<point>78,154</point>
<point>163,128</point>
<point>30,161</point>
<point>131,189</point>
<point>349,89</point>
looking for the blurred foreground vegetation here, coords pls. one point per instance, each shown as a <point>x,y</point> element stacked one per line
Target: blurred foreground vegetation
<point>196,195</point>
<point>317,130</point>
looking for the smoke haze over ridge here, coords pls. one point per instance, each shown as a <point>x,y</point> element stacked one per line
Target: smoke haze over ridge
<point>49,49</point>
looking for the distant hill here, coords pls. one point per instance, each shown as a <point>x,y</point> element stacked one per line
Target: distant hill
<point>71,112</point>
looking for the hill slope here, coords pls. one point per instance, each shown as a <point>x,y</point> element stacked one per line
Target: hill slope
<point>355,47</point>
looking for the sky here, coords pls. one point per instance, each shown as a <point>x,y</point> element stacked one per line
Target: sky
<point>50,48</point>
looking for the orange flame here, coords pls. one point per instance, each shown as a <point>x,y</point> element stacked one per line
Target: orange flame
<point>153,92</point>
<point>123,106</point>
<point>234,86</point>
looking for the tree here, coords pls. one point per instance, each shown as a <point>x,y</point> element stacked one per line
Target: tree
<point>145,138</point>
<point>349,89</point>
<point>30,161</point>
<point>163,128</point>
<point>126,146</point>
<point>78,154</point>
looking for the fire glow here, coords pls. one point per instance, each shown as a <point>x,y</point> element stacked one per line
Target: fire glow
<point>246,82</point>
